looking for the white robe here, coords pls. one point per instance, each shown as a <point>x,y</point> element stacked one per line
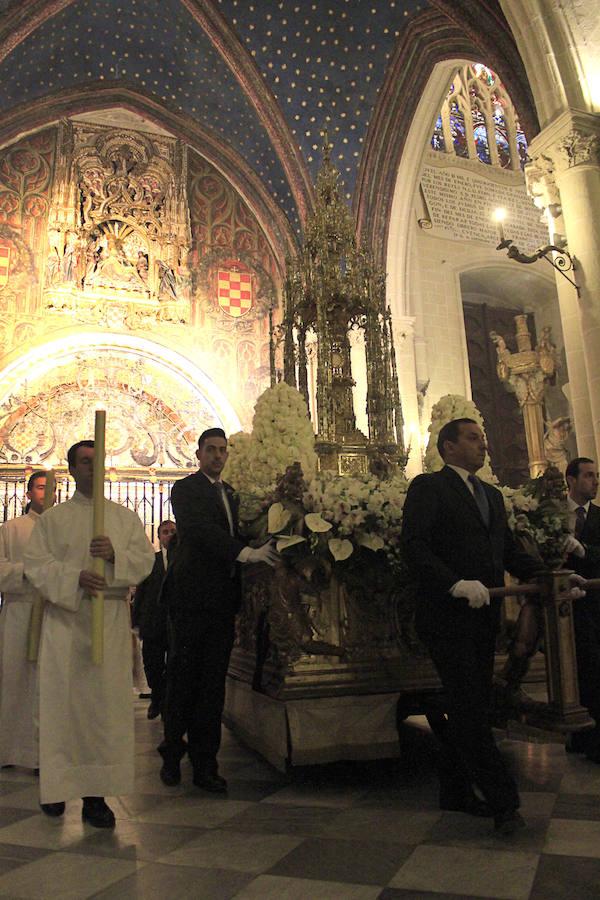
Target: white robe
<point>18,677</point>
<point>86,711</point>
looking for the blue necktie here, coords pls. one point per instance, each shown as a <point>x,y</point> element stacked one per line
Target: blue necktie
<point>480,499</point>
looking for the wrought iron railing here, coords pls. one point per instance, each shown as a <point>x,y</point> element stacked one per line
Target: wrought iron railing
<point>147,492</point>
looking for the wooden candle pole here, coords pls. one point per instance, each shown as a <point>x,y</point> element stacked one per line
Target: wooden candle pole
<point>37,608</point>
<point>97,531</point>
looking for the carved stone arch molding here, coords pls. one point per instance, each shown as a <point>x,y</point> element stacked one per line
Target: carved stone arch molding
<point>450,30</point>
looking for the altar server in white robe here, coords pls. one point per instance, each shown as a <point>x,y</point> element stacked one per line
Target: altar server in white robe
<point>18,712</point>
<point>86,710</point>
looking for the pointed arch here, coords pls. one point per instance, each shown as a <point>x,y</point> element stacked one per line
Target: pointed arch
<point>448,32</point>
<point>100,95</point>
<point>29,15</point>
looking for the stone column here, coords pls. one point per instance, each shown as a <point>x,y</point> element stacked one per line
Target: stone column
<point>567,153</point>
<point>404,345</point>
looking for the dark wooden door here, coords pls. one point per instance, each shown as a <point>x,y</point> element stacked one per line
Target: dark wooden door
<point>501,414</point>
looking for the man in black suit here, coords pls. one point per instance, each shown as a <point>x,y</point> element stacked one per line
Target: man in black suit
<point>203,596</point>
<point>150,617</point>
<point>457,543</point>
<point>583,547</point>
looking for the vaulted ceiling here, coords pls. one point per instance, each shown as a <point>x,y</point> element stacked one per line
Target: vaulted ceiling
<point>253,83</point>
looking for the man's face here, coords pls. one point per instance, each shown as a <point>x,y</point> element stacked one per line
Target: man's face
<point>212,456</point>
<point>83,470</point>
<point>585,486</point>
<point>166,533</point>
<point>36,494</point>
<point>469,450</point>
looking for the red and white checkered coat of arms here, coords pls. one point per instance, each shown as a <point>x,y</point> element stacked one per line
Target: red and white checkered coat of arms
<point>234,292</point>
<point>4,262</point>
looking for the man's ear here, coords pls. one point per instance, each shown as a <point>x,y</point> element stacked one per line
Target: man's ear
<point>197,454</point>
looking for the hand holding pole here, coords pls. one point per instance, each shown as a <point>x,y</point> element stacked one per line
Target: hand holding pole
<point>98,530</point>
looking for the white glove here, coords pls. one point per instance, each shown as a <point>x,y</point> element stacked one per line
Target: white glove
<point>572,545</point>
<point>575,593</point>
<point>265,554</point>
<point>474,591</point>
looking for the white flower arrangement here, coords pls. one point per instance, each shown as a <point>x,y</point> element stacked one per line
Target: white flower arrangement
<point>449,407</point>
<point>537,515</point>
<point>281,435</point>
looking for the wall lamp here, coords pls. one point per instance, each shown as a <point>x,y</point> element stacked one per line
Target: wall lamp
<point>559,259</point>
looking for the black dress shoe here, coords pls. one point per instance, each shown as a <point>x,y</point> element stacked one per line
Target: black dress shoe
<point>53,809</point>
<point>210,781</point>
<point>153,710</point>
<point>96,812</point>
<point>472,806</point>
<point>145,696</point>
<point>170,773</point>
<point>507,822</point>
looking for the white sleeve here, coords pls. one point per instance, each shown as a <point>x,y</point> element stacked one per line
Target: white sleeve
<point>11,573</point>
<point>134,555</point>
<point>57,581</point>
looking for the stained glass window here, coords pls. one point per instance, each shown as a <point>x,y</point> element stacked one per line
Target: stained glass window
<point>491,133</point>
<point>457,129</point>
<point>437,139</point>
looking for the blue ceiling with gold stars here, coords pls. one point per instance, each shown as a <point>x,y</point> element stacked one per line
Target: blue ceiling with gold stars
<point>324,62</point>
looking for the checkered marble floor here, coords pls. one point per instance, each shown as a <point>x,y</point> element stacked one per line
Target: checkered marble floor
<point>343,832</point>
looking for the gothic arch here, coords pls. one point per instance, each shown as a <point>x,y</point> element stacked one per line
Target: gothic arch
<point>21,22</point>
<point>451,31</point>
<point>559,48</point>
<point>61,104</point>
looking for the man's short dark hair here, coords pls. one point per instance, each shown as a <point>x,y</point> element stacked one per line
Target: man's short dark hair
<point>33,478</point>
<point>72,454</point>
<point>210,432</point>
<point>450,432</point>
<point>572,470</point>
<point>164,522</point>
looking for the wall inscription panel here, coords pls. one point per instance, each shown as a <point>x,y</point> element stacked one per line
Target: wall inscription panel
<point>460,206</point>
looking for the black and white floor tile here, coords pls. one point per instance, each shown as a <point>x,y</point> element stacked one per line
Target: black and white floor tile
<point>352,831</point>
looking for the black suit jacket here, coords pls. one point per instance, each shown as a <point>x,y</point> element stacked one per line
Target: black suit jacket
<point>444,540</point>
<point>203,577</point>
<point>148,614</point>
<point>589,566</point>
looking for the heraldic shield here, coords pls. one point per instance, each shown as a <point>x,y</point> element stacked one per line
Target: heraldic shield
<point>4,262</point>
<point>235,292</point>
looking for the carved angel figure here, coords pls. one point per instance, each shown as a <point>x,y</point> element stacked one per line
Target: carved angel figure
<point>502,367</point>
<point>547,353</point>
<point>555,439</point>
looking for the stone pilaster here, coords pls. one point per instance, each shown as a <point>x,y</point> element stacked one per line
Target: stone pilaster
<point>564,179</point>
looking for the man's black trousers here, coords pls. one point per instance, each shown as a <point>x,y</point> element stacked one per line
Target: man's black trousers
<point>469,755</point>
<point>199,651</point>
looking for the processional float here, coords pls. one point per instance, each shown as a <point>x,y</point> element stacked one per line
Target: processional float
<point>345,701</point>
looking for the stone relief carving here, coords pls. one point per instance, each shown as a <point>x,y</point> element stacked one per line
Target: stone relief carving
<point>577,148</point>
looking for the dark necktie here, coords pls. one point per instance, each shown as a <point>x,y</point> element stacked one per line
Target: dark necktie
<point>480,499</point>
<point>579,521</point>
<point>221,491</point>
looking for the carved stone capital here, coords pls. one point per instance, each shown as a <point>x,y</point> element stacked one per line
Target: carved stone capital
<point>578,148</point>
<point>572,139</point>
